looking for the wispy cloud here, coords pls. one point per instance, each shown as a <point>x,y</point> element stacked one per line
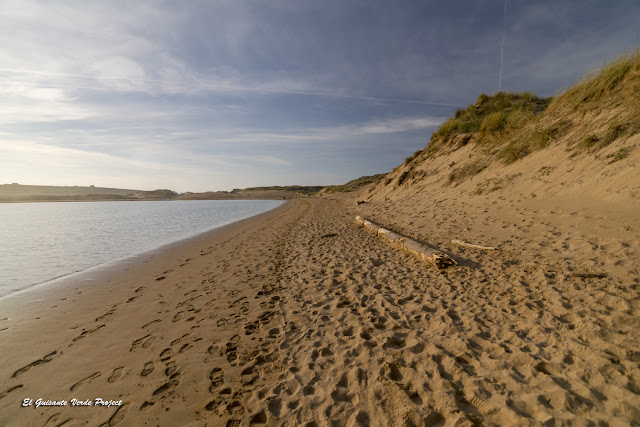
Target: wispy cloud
<point>206,83</point>
<point>27,104</point>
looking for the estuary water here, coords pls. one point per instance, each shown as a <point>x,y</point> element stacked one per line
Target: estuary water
<point>43,241</point>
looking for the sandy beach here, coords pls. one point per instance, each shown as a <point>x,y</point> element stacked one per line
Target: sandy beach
<point>299,317</point>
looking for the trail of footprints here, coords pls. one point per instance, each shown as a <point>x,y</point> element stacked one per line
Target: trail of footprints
<point>314,357</point>
<point>170,371</point>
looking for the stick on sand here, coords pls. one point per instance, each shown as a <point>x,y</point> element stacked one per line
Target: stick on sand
<point>471,245</point>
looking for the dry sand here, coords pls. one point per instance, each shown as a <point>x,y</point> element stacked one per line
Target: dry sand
<point>298,316</point>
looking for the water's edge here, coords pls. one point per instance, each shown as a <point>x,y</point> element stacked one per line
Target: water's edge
<point>134,257</point>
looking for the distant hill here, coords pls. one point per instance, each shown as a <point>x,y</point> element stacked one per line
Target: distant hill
<point>34,193</point>
<point>17,190</point>
<point>30,193</point>
<point>18,193</point>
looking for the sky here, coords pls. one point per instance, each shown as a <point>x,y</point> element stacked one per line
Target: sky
<point>222,94</point>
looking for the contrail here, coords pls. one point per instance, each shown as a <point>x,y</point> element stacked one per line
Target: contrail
<point>206,85</point>
<point>504,35</point>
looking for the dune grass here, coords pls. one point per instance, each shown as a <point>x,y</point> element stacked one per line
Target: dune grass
<point>621,78</point>
<point>513,125</point>
<point>490,118</point>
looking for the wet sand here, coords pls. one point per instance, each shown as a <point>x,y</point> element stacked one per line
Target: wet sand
<point>299,316</point>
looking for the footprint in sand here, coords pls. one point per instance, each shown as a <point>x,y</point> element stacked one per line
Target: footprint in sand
<point>179,315</point>
<point>166,354</point>
<point>161,392</point>
<point>179,340</point>
<point>171,368</point>
<point>136,343</point>
<point>119,415</point>
<point>24,369</point>
<point>215,349</point>
<point>259,418</point>
<point>393,371</point>
<point>231,402</point>
<point>106,315</point>
<point>148,368</point>
<point>150,323</point>
<point>248,376</point>
<point>12,389</point>
<point>166,389</point>
<point>217,378</point>
<point>308,390</point>
<point>116,374</point>
<point>362,377</point>
<point>185,347</point>
<point>53,420</point>
<point>252,327</point>
<point>232,350</point>
<point>88,379</point>
<point>148,342</point>
<point>88,332</point>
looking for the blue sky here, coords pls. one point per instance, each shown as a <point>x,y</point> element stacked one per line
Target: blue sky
<point>215,95</point>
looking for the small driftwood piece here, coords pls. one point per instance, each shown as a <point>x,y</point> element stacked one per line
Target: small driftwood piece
<point>471,245</point>
<point>425,253</point>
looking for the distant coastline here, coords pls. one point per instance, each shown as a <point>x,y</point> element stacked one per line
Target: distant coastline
<point>18,193</point>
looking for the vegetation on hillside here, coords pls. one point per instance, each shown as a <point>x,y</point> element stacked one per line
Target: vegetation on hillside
<point>313,189</point>
<point>308,189</point>
<point>514,125</point>
<point>618,81</point>
<point>354,184</point>
<point>488,120</point>
<point>156,194</point>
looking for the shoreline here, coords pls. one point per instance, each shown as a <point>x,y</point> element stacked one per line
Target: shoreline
<point>122,264</point>
<point>113,264</point>
<point>298,315</point>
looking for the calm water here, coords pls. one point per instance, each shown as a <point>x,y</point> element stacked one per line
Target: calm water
<point>42,241</point>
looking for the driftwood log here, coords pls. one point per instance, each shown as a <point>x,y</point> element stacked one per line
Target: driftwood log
<point>470,245</point>
<point>425,253</point>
